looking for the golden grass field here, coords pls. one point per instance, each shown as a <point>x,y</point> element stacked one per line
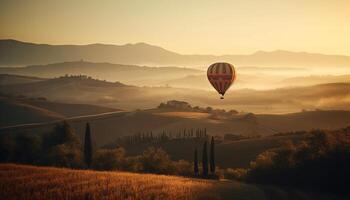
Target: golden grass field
<point>38,183</point>
<point>31,182</point>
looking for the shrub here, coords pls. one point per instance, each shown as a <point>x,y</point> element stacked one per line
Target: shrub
<point>319,162</point>
<point>133,164</point>
<point>236,174</point>
<point>109,159</point>
<point>65,155</point>
<point>156,160</point>
<point>183,168</point>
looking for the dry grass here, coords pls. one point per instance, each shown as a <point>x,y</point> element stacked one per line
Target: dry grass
<point>49,183</point>
<point>30,182</point>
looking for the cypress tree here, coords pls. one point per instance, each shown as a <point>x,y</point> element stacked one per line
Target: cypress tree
<point>195,163</point>
<point>212,156</point>
<point>88,146</point>
<point>205,160</point>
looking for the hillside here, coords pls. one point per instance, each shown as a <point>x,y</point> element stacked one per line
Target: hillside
<point>20,110</point>
<point>16,112</point>
<point>249,77</point>
<point>263,78</point>
<point>228,154</point>
<point>314,80</point>
<point>29,182</point>
<point>9,79</point>
<point>108,127</point>
<point>85,90</point>
<point>260,78</point>
<point>129,74</point>
<point>17,53</point>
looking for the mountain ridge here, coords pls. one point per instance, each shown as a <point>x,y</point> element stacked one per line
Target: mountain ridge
<point>18,53</point>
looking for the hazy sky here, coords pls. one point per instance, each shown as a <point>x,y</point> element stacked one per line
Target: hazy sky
<point>184,26</point>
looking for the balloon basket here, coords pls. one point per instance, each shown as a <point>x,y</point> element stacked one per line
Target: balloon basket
<point>221,97</point>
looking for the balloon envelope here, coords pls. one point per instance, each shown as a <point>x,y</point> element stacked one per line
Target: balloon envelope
<point>221,76</point>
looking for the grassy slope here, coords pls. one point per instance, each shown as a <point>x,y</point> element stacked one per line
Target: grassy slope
<point>29,182</point>
<point>71,110</point>
<point>16,111</point>
<point>8,79</point>
<point>108,128</point>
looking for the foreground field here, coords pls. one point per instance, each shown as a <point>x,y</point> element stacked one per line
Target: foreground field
<point>30,182</point>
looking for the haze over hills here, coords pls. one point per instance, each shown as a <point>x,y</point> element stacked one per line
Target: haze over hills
<point>107,128</point>
<point>9,79</point>
<point>314,80</point>
<point>17,53</point>
<point>247,77</point>
<point>129,74</point>
<point>82,89</point>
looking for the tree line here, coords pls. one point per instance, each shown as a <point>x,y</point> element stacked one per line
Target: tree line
<point>62,148</point>
<point>320,161</point>
<point>148,137</point>
<point>163,136</point>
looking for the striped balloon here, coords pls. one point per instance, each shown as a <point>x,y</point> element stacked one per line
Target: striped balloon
<point>221,76</point>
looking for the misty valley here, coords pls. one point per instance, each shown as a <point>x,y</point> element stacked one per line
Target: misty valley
<point>137,121</point>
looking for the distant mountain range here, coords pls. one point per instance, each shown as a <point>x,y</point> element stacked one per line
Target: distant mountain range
<point>17,53</point>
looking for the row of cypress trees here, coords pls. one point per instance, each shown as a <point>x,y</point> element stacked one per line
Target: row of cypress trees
<point>151,137</point>
<point>212,166</point>
<point>205,170</point>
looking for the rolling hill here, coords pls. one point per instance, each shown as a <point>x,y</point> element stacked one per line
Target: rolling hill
<point>129,74</point>
<point>249,77</point>
<point>260,78</point>
<point>85,90</point>
<point>22,110</point>
<point>42,116</point>
<point>9,79</point>
<point>17,53</point>
<point>108,127</point>
<point>15,112</point>
<point>228,154</point>
<point>314,80</point>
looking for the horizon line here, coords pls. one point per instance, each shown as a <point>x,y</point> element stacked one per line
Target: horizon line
<point>157,46</point>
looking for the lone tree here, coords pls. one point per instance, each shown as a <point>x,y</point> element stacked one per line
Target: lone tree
<point>205,160</point>
<point>195,167</point>
<point>212,156</point>
<point>88,146</point>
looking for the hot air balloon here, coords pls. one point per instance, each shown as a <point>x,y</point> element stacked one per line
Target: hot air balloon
<point>221,75</point>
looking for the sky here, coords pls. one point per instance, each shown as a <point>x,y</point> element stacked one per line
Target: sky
<point>184,26</point>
